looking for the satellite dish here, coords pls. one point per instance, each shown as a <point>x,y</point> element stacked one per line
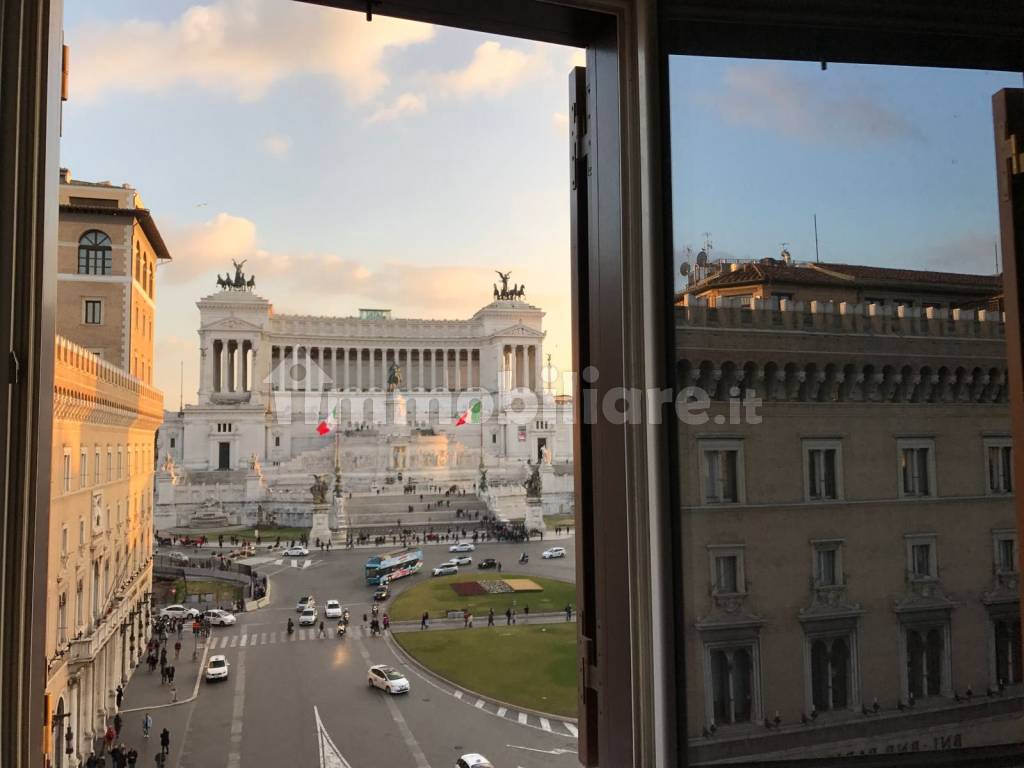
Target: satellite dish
<point>702,258</point>
<point>684,268</point>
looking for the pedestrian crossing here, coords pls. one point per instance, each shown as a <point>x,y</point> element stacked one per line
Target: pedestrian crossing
<point>252,639</point>
<point>301,564</point>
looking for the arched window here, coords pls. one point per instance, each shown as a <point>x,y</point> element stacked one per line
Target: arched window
<point>95,256</point>
<point>138,262</point>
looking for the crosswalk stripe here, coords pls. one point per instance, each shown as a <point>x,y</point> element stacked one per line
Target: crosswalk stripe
<point>306,564</point>
<point>522,718</point>
<point>479,704</point>
<point>502,711</point>
<point>263,638</point>
<point>294,637</point>
<point>295,563</point>
<point>457,694</point>
<point>573,731</point>
<point>273,638</point>
<point>279,561</point>
<point>241,644</point>
<point>545,724</point>
<point>234,641</point>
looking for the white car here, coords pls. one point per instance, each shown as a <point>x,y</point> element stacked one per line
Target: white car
<point>219,617</point>
<point>332,609</point>
<point>462,546</point>
<point>306,601</point>
<point>459,560</point>
<point>217,668</point>
<point>445,569</point>
<point>179,612</point>
<point>387,679</point>
<point>473,760</point>
<point>178,557</point>
<point>553,552</point>
<point>308,617</point>
<point>295,552</point>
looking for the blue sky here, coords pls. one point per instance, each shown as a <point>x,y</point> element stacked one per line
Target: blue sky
<point>897,163</point>
<point>387,164</point>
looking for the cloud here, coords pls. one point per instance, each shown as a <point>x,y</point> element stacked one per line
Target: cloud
<point>405,104</point>
<point>801,108</point>
<point>971,253</point>
<point>493,71</point>
<point>242,47</point>
<point>205,248</point>
<point>277,145</point>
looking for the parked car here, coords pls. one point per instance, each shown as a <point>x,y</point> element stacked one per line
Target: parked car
<point>295,552</point>
<point>387,679</point>
<point>487,562</point>
<point>553,552</point>
<point>217,668</point>
<point>461,560</point>
<point>178,557</point>
<point>306,601</point>
<point>445,569</point>
<point>473,760</point>
<point>332,609</point>
<point>462,546</point>
<point>220,618</point>
<point>179,612</point>
<point>308,617</point>
<point>382,593</point>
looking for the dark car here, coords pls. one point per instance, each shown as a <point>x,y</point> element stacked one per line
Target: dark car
<point>487,562</point>
<point>381,594</point>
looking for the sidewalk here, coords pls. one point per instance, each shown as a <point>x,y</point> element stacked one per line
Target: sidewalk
<point>480,621</point>
<point>144,690</point>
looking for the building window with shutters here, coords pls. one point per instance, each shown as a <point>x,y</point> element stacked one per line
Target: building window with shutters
<point>832,667</point>
<point>916,467</point>
<point>999,465</point>
<point>926,651</point>
<point>731,674</point>
<point>721,471</point>
<point>67,471</point>
<point>93,312</point>
<point>83,468</point>
<point>728,572</point>
<point>823,476</point>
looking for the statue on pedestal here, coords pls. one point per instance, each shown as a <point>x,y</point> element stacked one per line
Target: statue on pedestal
<point>319,489</point>
<point>533,484</point>
<point>394,377</point>
<point>482,485</point>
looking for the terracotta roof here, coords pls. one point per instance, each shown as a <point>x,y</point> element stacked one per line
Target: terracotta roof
<point>142,215</point>
<point>851,275</point>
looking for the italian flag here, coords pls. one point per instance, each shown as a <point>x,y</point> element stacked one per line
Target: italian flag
<point>471,416</point>
<point>327,425</point>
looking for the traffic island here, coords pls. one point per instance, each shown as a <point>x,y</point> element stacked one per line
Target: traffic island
<point>481,592</point>
<point>527,666</point>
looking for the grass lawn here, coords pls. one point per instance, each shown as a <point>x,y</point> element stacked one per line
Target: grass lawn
<point>223,591</point>
<point>434,594</point>
<point>529,666</point>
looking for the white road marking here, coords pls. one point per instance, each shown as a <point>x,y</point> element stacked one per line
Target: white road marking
<point>502,711</point>
<point>243,641</point>
<point>263,638</point>
<point>279,561</point>
<point>572,729</point>
<point>479,704</point>
<point>307,563</point>
<point>273,637</point>
<point>555,751</point>
<point>457,694</point>
<point>234,641</point>
<point>295,563</point>
<point>330,755</point>
<point>545,724</point>
<point>235,755</point>
<point>522,718</point>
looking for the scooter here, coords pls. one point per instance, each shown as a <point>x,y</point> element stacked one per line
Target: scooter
<point>342,628</point>
<point>291,627</point>
<point>524,558</point>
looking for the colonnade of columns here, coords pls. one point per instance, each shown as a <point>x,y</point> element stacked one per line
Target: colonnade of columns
<point>521,369</point>
<point>301,367</point>
<point>232,365</point>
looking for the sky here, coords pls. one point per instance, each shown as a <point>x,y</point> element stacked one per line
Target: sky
<point>385,164</point>
<point>897,163</point>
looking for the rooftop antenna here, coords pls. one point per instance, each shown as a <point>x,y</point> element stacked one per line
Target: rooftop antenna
<point>786,257</point>
<point>707,243</point>
<point>817,258</point>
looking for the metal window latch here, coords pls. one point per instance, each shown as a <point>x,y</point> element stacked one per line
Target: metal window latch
<point>369,8</point>
<point>13,367</point>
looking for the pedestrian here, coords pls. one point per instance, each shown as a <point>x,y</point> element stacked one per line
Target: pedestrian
<point>160,759</point>
<point>147,725</point>
<point>508,616</point>
<point>490,618</point>
<point>117,725</point>
<point>364,622</point>
<point>499,566</point>
<point>174,694</point>
<point>526,614</point>
<point>513,615</point>
<point>321,630</point>
<point>91,761</point>
<point>470,620</point>
<point>424,620</point>
<point>387,622</point>
<point>165,741</point>
<point>163,675</point>
<point>568,612</point>
<point>119,696</point>
<point>170,674</point>
<point>177,649</point>
<point>131,757</point>
<point>108,738</point>
<point>465,618</point>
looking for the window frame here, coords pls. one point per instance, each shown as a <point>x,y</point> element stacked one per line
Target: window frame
<point>999,536</point>
<point>737,551</point>
<point>841,631</point>
<point>721,445</point>
<point>751,643</point>
<point>998,442</point>
<point>92,317</point>
<point>916,444</point>
<point>810,444</point>
<point>97,257</point>
<point>836,545</point>
<point>912,540</point>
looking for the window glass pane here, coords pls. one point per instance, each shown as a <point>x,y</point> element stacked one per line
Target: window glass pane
<point>839,304</point>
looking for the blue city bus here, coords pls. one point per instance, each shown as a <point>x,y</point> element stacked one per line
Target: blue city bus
<point>382,569</point>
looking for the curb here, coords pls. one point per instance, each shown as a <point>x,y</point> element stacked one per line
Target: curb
<point>400,651</point>
<point>480,622</point>
<point>261,602</point>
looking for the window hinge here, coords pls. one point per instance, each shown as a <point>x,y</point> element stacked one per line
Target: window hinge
<point>13,367</point>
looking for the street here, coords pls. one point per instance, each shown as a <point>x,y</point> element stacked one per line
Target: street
<point>305,701</point>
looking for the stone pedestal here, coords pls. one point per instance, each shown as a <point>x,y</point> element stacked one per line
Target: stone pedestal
<point>320,530</point>
<point>534,514</point>
<point>394,409</point>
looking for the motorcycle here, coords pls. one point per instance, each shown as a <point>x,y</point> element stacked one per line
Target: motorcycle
<point>342,628</point>
<point>345,617</point>
<point>291,627</point>
<point>524,558</point>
